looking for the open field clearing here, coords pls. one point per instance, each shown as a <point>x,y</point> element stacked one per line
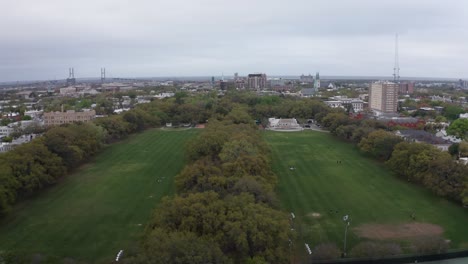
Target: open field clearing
<point>322,179</point>
<point>102,207</point>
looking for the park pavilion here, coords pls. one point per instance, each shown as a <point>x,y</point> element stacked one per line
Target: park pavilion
<point>289,124</point>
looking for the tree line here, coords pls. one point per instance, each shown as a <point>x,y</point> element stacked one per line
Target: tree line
<point>439,172</point>
<point>419,163</point>
<point>225,210</point>
<point>33,166</point>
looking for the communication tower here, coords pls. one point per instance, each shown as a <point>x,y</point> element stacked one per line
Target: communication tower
<point>71,77</point>
<point>103,75</point>
<point>396,68</point>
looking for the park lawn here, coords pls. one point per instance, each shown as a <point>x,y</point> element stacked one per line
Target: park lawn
<point>102,207</point>
<point>359,187</point>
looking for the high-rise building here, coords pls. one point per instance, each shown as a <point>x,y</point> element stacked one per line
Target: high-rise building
<point>407,88</point>
<point>462,84</point>
<point>257,81</point>
<point>223,85</point>
<point>383,97</point>
<point>306,78</point>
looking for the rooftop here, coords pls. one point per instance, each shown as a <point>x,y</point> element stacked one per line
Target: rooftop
<point>422,136</point>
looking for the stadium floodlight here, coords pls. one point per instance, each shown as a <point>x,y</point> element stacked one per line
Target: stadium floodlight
<point>345,218</point>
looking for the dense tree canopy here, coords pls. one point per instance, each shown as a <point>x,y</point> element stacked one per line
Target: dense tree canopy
<point>242,228</point>
<point>225,210</point>
<point>379,144</point>
<point>75,142</point>
<point>431,167</point>
<point>459,128</point>
<point>226,199</point>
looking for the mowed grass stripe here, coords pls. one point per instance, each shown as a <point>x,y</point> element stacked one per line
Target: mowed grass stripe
<point>357,186</point>
<point>103,207</point>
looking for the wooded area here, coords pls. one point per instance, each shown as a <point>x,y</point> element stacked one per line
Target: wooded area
<point>226,209</point>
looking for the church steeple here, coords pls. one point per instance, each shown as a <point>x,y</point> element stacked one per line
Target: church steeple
<point>317,80</point>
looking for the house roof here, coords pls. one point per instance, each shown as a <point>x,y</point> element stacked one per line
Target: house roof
<point>423,136</point>
<point>308,91</point>
<point>401,120</point>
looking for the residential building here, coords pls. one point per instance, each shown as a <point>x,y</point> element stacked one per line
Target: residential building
<point>407,88</point>
<point>33,113</point>
<point>164,95</point>
<point>223,85</point>
<point>334,103</point>
<point>25,123</point>
<point>443,134</point>
<point>70,116</point>
<point>307,92</point>
<point>278,82</point>
<point>356,104</point>
<point>463,84</point>
<point>383,97</point>
<point>364,97</point>
<point>445,99</point>
<point>5,131</point>
<point>257,81</point>
<point>239,83</point>
<point>306,78</point>
<point>5,147</point>
<point>422,136</point>
<point>68,91</point>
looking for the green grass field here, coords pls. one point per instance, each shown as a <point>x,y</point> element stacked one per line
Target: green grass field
<point>359,186</point>
<point>104,206</point>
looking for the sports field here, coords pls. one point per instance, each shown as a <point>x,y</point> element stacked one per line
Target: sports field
<point>322,179</point>
<point>104,206</point>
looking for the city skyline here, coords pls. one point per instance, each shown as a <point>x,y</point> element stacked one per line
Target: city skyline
<point>182,38</point>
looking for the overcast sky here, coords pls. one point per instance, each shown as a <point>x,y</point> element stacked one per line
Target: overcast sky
<point>142,38</point>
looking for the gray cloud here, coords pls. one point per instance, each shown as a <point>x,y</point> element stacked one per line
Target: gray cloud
<point>41,39</point>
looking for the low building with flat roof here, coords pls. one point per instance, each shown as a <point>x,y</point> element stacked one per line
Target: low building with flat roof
<point>289,124</point>
<point>70,116</point>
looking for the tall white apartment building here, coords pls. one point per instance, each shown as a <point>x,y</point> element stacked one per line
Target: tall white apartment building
<point>383,97</point>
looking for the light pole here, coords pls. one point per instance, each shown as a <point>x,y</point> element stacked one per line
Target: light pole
<point>345,219</point>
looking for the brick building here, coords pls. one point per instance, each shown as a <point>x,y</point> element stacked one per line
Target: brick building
<point>257,81</point>
<point>70,116</point>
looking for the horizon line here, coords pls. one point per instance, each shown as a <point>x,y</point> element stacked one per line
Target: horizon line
<point>323,77</point>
